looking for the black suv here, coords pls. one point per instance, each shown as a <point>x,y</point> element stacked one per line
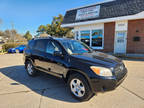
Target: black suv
<point>85,71</point>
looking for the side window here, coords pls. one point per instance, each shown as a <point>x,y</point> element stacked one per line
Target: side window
<point>52,46</point>
<point>40,45</point>
<point>31,44</point>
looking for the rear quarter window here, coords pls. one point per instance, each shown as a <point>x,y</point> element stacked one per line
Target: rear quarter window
<point>40,45</point>
<point>31,44</point>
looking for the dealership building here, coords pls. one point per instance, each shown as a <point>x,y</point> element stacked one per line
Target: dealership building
<point>116,26</point>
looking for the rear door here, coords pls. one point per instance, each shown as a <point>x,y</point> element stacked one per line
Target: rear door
<point>39,53</point>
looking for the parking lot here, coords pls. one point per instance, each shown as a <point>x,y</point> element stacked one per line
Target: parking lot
<point>18,90</point>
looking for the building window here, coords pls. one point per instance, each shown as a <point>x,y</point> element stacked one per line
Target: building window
<point>97,38</point>
<point>93,38</point>
<point>76,35</point>
<point>85,37</point>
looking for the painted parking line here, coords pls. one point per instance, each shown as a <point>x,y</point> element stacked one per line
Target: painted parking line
<point>132,92</point>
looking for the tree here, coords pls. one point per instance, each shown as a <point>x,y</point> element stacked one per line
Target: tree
<point>20,38</point>
<point>42,29</point>
<point>28,36</point>
<point>7,33</point>
<point>55,29</point>
<point>12,36</point>
<point>1,33</point>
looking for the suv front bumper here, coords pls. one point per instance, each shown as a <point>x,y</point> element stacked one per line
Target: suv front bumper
<point>107,84</point>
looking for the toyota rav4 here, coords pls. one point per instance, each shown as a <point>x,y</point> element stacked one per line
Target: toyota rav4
<point>85,71</point>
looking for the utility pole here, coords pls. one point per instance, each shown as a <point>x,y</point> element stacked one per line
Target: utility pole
<point>13,37</point>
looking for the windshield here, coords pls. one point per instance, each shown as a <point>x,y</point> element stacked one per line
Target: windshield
<point>76,47</point>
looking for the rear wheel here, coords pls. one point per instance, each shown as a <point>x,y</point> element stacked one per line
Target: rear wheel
<point>30,68</point>
<point>79,87</point>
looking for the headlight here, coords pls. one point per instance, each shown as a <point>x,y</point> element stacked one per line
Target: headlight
<point>101,71</point>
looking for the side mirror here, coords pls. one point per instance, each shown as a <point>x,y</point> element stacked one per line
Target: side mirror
<point>58,53</point>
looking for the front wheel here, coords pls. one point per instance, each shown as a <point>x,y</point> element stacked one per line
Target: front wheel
<point>17,51</point>
<point>79,87</point>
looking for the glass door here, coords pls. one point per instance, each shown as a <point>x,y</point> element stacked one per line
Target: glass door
<point>97,38</point>
<point>85,37</point>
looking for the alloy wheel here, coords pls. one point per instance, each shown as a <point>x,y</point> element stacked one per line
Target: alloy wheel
<point>77,87</point>
<point>29,69</point>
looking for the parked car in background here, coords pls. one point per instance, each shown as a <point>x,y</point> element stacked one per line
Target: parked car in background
<point>85,71</point>
<point>18,49</point>
<point>11,50</point>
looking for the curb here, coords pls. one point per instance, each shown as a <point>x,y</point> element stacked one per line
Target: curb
<point>2,53</point>
<point>129,57</point>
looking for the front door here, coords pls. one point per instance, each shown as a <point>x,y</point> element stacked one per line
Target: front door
<point>55,64</point>
<point>120,42</point>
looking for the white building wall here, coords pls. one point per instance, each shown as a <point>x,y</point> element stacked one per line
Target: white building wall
<point>89,27</point>
<point>121,26</point>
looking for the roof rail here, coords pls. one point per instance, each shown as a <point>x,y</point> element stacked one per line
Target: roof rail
<point>48,37</point>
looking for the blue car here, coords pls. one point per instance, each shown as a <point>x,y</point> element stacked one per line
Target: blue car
<point>18,49</point>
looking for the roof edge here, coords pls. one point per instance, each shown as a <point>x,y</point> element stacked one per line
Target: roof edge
<point>98,3</point>
<point>129,17</point>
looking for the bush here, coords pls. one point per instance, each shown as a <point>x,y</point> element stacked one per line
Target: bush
<point>7,46</point>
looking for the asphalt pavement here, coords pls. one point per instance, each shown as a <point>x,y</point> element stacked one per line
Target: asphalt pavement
<point>18,90</point>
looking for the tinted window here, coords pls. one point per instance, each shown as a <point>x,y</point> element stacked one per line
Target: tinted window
<point>52,46</point>
<point>40,45</point>
<point>31,44</point>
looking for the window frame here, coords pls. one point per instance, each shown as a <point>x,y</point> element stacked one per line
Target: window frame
<point>34,47</point>
<point>89,36</point>
<point>31,44</point>
<point>54,43</point>
<point>96,47</point>
<point>77,37</point>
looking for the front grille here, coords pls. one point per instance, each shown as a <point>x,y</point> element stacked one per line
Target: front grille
<point>119,71</point>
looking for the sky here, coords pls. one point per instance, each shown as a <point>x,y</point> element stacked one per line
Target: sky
<point>30,14</point>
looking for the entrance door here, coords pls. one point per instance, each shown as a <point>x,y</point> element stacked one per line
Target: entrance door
<point>120,42</point>
<point>85,37</point>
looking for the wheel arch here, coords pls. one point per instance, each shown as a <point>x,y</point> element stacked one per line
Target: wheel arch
<point>29,59</point>
<point>73,71</point>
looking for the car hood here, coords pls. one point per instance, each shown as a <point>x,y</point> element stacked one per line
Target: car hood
<point>98,58</point>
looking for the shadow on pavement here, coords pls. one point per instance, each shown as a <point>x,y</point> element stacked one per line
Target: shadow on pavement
<point>44,84</point>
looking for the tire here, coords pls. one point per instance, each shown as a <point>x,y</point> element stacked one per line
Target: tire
<point>30,69</point>
<point>17,51</point>
<point>79,87</point>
